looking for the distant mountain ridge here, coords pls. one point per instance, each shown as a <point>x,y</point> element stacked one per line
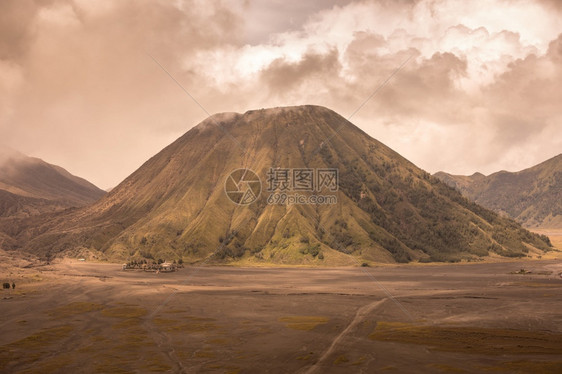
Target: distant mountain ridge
<point>532,196</point>
<point>175,206</point>
<point>31,186</point>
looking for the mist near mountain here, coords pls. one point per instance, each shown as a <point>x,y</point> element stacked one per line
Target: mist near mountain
<point>31,186</point>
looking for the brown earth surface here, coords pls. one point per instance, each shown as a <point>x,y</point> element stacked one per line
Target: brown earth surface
<point>81,317</point>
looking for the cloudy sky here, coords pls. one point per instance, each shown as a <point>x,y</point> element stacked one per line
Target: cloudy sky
<point>480,90</point>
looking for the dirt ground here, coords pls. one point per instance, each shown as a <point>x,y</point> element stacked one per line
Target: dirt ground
<point>79,317</point>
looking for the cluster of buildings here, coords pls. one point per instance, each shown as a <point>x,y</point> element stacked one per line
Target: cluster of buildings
<point>153,267</point>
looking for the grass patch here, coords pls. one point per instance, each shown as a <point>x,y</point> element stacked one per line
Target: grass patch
<point>113,360</point>
<point>360,361</point>
<point>53,365</point>
<point>112,366</point>
<point>154,365</point>
<point>341,359</point>
<point>537,284</point>
<point>43,338</point>
<point>125,312</point>
<point>217,341</point>
<point>545,367</point>
<point>217,368</point>
<point>174,311</point>
<point>204,354</point>
<point>306,357</point>
<point>132,342</point>
<point>304,323</point>
<point>470,339</point>
<point>193,324</point>
<point>75,308</point>
<point>127,324</point>
<point>446,368</point>
<point>33,347</point>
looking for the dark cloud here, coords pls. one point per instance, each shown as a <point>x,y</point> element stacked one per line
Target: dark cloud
<point>79,89</point>
<point>90,95</point>
<point>264,18</point>
<point>555,5</point>
<point>282,76</point>
<point>16,27</point>
<point>425,89</point>
<point>526,97</point>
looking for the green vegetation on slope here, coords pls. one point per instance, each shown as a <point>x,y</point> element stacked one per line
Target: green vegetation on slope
<point>175,206</point>
<point>532,196</point>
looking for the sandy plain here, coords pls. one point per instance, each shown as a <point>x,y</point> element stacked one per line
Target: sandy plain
<point>80,317</point>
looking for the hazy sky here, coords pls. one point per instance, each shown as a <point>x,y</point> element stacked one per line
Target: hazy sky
<point>481,92</point>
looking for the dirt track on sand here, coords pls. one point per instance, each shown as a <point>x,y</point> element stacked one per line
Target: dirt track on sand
<point>84,318</point>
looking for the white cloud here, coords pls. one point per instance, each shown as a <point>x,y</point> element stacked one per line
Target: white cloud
<point>79,89</point>
<point>488,35</point>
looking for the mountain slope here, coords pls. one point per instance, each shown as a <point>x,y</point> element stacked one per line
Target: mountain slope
<point>532,196</point>
<point>30,186</point>
<point>175,205</point>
